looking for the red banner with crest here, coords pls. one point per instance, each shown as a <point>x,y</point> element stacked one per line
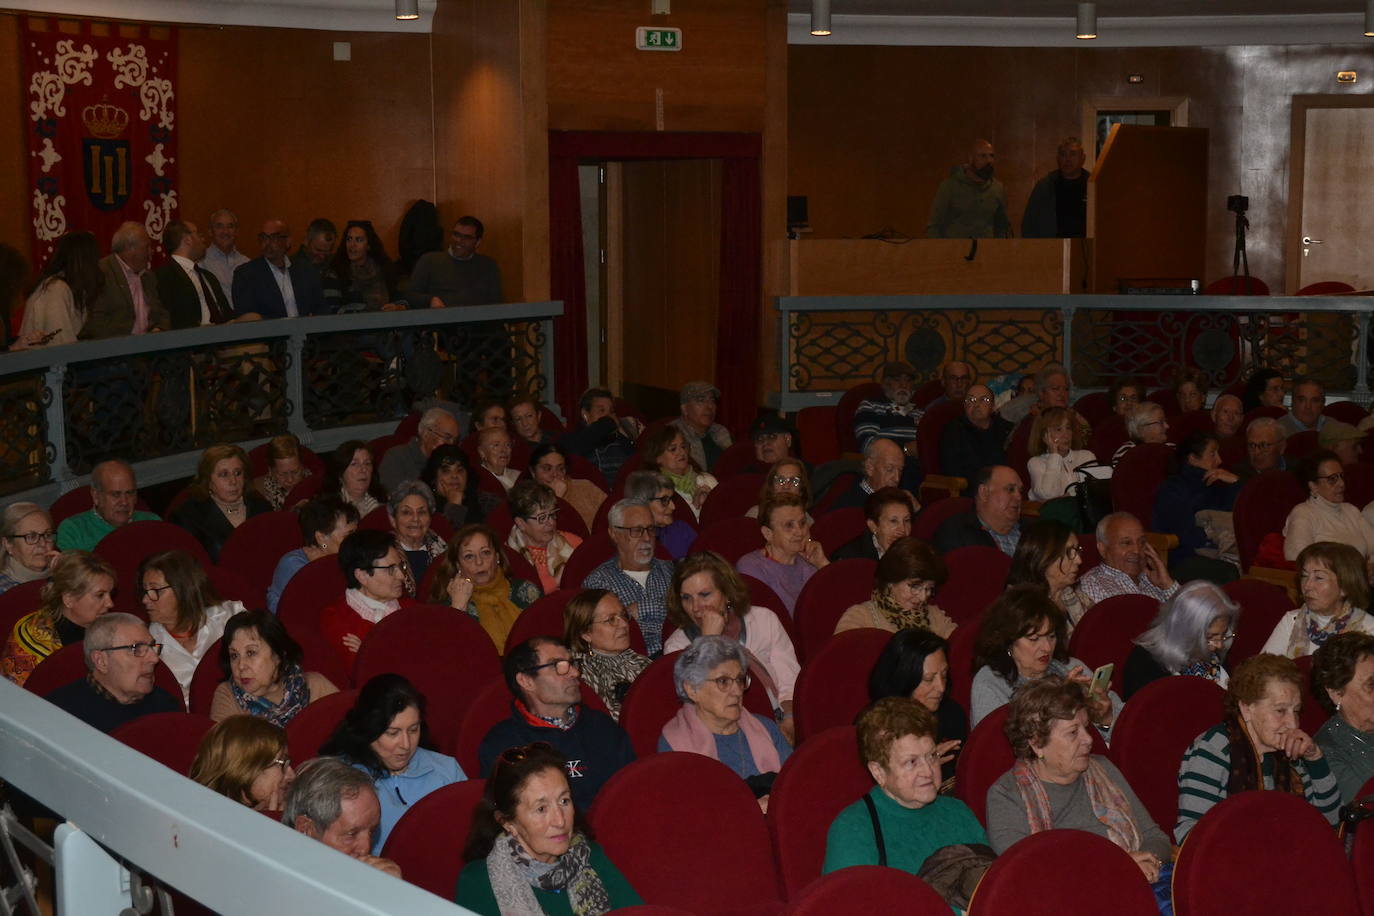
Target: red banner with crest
<point>100,114</point>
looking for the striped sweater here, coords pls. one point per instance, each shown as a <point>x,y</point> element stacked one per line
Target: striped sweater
<point>1207,767</point>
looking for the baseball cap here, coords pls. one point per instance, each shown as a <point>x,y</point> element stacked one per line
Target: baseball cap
<point>698,391</point>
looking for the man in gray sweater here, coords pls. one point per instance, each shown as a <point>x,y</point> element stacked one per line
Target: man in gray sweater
<point>458,276</point>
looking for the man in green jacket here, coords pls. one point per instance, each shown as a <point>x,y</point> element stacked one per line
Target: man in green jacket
<point>970,203</point>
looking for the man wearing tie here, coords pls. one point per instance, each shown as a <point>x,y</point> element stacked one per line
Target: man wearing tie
<point>128,303</point>
<point>190,293</point>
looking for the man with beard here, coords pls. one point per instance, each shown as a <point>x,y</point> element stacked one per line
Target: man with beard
<point>970,203</point>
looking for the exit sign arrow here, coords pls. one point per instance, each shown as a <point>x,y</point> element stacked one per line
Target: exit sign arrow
<point>647,39</point>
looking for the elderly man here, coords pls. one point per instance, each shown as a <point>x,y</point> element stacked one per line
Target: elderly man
<point>604,439</point>
<point>996,517</point>
<point>128,302</point>
<point>114,494</point>
<point>458,276</point>
<point>773,441</point>
<point>1343,439</point>
<point>1265,441</point>
<point>1130,566</point>
<point>1051,390</point>
<point>493,448</point>
<point>222,258</point>
<point>706,439</point>
<point>315,251</point>
<point>976,439</point>
<point>120,659</point>
<point>970,203</point>
<point>546,706</point>
<point>1227,414</point>
<point>1309,397</point>
<point>437,427</point>
<point>274,286</point>
<point>336,804</point>
<point>882,466</point>
<point>1058,204</point>
<point>956,376</point>
<point>191,294</point>
<point>892,416</point>
<point>638,578</point>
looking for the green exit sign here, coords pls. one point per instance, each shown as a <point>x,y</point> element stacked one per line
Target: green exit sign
<point>647,39</point>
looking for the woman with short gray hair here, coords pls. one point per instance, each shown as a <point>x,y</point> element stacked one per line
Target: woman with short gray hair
<point>1190,635</point>
<point>1146,426</point>
<point>28,550</point>
<point>656,491</point>
<point>410,508</point>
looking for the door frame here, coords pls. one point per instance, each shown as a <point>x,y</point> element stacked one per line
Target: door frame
<point>1176,105</point>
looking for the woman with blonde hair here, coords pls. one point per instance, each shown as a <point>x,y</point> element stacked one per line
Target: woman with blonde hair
<point>220,498</point>
<point>1058,446</point>
<point>78,593</point>
<point>244,758</point>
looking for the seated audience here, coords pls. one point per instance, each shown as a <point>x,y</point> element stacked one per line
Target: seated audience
<point>1057,450</point>
<point>1197,481</point>
<point>704,438</point>
<point>26,545</point>
<point>638,578</point>
<point>1343,685</point>
<point>711,676</point>
<point>118,687</point>
<point>114,494</point>
<point>1022,637</point>
<point>546,705</point>
<point>1129,564</point>
<point>262,672</point>
<point>317,250</point>
<point>1124,395</point>
<point>1190,635</point>
<point>1265,441</point>
<point>786,475</point>
<point>955,378</point>
<point>350,477</point>
<point>882,467</point>
<point>222,256</point>
<point>604,439</point>
<point>284,471</point>
<point>975,440</point>
<point>535,534</point>
<point>410,508</point>
<point>906,577</point>
<point>892,416</point>
<point>914,665</point>
<point>1051,389</point>
<point>708,598</point>
<point>71,282</point>
<point>274,285</point>
<point>359,277</point>
<point>887,515</point>
<point>1309,397</point>
<point>489,415</point>
<point>1258,745</point>
<point>192,295</point>
<point>386,737</point>
<point>1264,388</point>
<point>185,612</point>
<point>1227,415</point>
<point>131,306</point>
<point>528,851</point>
<point>655,490</point>
<point>375,579</point>
<point>78,593</point>
<point>1048,557</point>
<point>1325,516</point>
<point>1190,389</point>
<point>448,474</point>
<point>665,451</point>
<point>405,462</point>
<point>1342,439</point>
<point>1145,425</point>
<point>1334,584</point>
<point>597,628</point>
<point>996,517</point>
<point>525,414</point>
<point>245,758</point>
<point>324,522</point>
<point>459,275</point>
<point>220,498</point>
<point>549,466</point>
<point>473,576</point>
<point>789,557</point>
<point>335,803</point>
<point>493,450</point>
<point>773,441</point>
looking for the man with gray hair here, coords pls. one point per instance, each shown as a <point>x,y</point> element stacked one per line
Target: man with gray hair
<point>638,578</point>
<point>336,804</point>
<point>222,258</point>
<point>128,302</point>
<point>1146,425</point>
<point>1130,566</point>
<point>114,497</point>
<point>706,439</point>
<point>883,467</point>
<point>1227,414</point>
<point>1058,204</point>
<point>119,686</point>
<point>405,462</point>
<point>1051,390</point>
<point>1265,441</point>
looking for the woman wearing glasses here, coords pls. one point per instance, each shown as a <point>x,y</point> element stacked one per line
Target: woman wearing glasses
<point>789,557</point>
<point>656,491</point>
<point>597,629</point>
<point>245,758</point>
<point>787,475</point>
<point>78,593</point>
<point>1048,556</point>
<point>1325,516</point>
<point>410,509</point>
<point>711,676</point>
<point>473,577</point>
<point>535,535</point>
<point>375,575</point>
<point>26,545</point>
<point>1335,593</point>
<point>185,613</point>
<point>1190,635</point>
<point>549,466</point>
<point>906,577</point>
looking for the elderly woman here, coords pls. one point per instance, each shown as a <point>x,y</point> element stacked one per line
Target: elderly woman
<point>1146,426</point>
<point>26,545</point>
<point>915,665</point>
<point>888,512</point>
<point>1023,637</point>
<point>1325,516</point>
<point>549,466</point>
<point>410,508</point>
<point>1057,447</point>
<point>1259,745</point>
<point>525,413</point>
<point>907,575</point>
<point>528,851</point>
<point>708,598</point>
<point>185,612</point>
<point>1335,592</point>
<point>535,535</point>
<point>1343,685</point>
<point>789,557</point>
<point>284,470</point>
<point>448,473</point>
<point>1265,388</point>
<point>385,736</point>
<point>1190,635</point>
<point>351,476</point>
<point>656,491</point>
<point>1190,389</point>
<point>1048,556</point>
<point>711,676</point>
<point>665,451</point>
<point>375,578</point>
<point>324,522</point>
<point>78,593</point>
<point>494,451</point>
<point>220,499</point>
<point>596,628</point>
<point>473,576</point>
<point>262,672</point>
<point>1057,783</point>
<point>245,758</point>
<point>786,475</point>
<point>1124,394</point>
<point>1198,482</point>
<point>489,415</point>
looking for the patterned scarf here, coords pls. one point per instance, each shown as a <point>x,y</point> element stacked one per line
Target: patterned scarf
<point>1110,805</point>
<point>898,616</point>
<point>295,697</point>
<point>513,874</point>
<point>611,675</point>
<point>1247,767</point>
<point>1308,634</point>
<point>1209,668</point>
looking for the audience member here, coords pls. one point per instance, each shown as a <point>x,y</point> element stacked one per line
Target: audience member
<point>773,441</point>
<point>789,557</point>
<point>219,498</point>
<point>449,476</point>
<point>324,522</point>
<point>405,462</point>
<point>284,471</point>
<point>1190,389</point>
<point>596,627</point>
<point>262,672</point>
<point>604,439</point>
<point>882,467</point>
<point>1146,425</point>
<point>535,534</point>
<point>127,302</point>
<point>955,378</point>
<point>906,578</point>
<point>970,203</point>
<point>78,593</point>
<point>549,466</point>
<point>26,545</point>
<point>119,686</point>
<point>976,439</point>
<point>245,758</point>
<point>655,490</point>
<point>1051,390</point>
<point>375,584</point>
<point>185,611</point>
<point>191,294</point>
<point>274,286</point>
<point>1198,482</point>
<point>410,509</point>
<point>1190,635</point>
<point>1334,584</point>
<point>1129,566</point>
<point>1125,395</point>
<point>335,803</point>
<point>350,477</point>
<point>705,439</point>
<point>1048,557</point>
<point>996,517</point>
<point>914,665</point>
<point>893,416</point>
<point>1343,685</point>
<point>1058,448</point>
<point>1264,388</point>
<point>1325,515</point>
<point>1344,440</point>
<point>473,576</point>
<point>317,250</point>
<point>489,415</point>
<point>887,516</point>
<point>71,283</point>
<point>1265,441</point>
<point>1227,415</point>
<point>1309,397</point>
<point>494,449</point>
<point>526,412</point>
<point>360,277</point>
<point>222,257</point>
<point>114,498</point>
<point>634,575</point>
<point>459,275</point>
<point>1058,204</point>
<point>665,451</point>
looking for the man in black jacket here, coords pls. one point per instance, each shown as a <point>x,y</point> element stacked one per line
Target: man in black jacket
<point>604,439</point>
<point>189,292</point>
<point>996,517</point>
<point>975,440</point>
<point>274,286</point>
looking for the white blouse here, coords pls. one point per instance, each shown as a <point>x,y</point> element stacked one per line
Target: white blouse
<point>174,654</point>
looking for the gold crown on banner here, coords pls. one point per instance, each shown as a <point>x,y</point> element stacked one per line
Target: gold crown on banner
<point>105,120</point>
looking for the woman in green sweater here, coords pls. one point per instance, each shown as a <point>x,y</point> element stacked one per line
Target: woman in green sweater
<point>528,849</point>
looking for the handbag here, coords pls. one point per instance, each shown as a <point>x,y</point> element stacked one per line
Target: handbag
<point>1092,492</point>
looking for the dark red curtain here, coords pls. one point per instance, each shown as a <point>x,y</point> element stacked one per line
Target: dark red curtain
<point>741,247</point>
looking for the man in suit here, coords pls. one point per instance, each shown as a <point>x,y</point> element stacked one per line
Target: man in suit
<point>272,285</point>
<point>191,294</point>
<point>128,303</point>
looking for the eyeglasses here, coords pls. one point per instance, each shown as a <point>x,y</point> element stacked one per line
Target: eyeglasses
<point>283,761</point>
<point>637,531</point>
<point>137,649</point>
<point>518,754</point>
<point>396,569</point>
<point>980,399</point>
<point>1332,478</point>
<point>1128,399</point>
<point>445,437</point>
<point>1075,551</point>
<point>275,236</point>
<point>725,683</point>
<point>543,518</point>
<point>32,538</point>
<point>612,620</point>
<point>790,481</point>
<point>663,500</point>
<point>1261,446</point>
<point>465,236</point>
<point>560,666</point>
<point>1225,637</point>
<point>153,592</point>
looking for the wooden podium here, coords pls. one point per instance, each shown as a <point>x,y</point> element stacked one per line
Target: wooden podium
<point>872,267</point>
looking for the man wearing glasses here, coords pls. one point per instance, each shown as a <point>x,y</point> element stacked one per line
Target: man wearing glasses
<point>458,276</point>
<point>118,687</point>
<point>274,286</point>
<point>975,440</point>
<point>638,578</point>
<point>406,462</point>
<point>546,706</point>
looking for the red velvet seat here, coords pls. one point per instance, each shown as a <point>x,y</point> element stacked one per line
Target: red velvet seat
<point>1182,425</point>
<point>18,602</point>
<point>519,568</point>
<point>833,685</point>
<point>961,664</point>
<point>207,677</point>
<point>1152,733</point>
<point>931,516</point>
<point>445,653</point>
<point>76,501</point>
<point>376,520</point>
<point>644,810</point>
<point>314,724</point>
<point>1106,632</point>
<point>734,460</point>
<point>1362,858</point>
<point>586,557</point>
<point>652,701</point>
<point>838,527</point>
<point>543,618</point>
<point>427,842</point>
<point>1262,411</point>
<point>732,538</point>
<point>1107,436</point>
<point>824,599</point>
<point>1300,445</point>
<point>1262,605</point>
<point>1313,716</point>
<point>1325,288</point>
<point>1237,286</point>
<point>492,704</point>
<point>1166,398</point>
<point>1091,555</point>
<point>1136,478</point>
<point>840,484</point>
<point>1245,853</point>
<point>1346,412</point>
<point>127,547</point>
<point>761,594</point>
<point>1030,879</point>
<point>1262,506</point>
<point>316,585</point>
<point>731,499</point>
<point>409,425</point>
<point>977,575</point>
<point>232,586</point>
<point>170,738</point>
<point>868,889</point>
<point>847,408</point>
<point>816,431</point>
<point>1093,407</point>
<point>930,428</point>
<point>927,392</point>
<point>1359,483</point>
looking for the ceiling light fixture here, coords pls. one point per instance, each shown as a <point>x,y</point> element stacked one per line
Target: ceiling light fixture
<point>1369,19</point>
<point>407,9</point>
<point>1087,20</point>
<point>820,17</point>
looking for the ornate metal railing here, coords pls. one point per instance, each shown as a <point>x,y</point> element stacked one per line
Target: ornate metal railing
<point>156,400</point>
<point>828,344</point>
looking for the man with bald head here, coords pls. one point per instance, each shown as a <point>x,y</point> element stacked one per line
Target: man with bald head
<point>1130,566</point>
<point>128,302</point>
<point>883,463</point>
<point>970,203</point>
<point>976,439</point>
<point>114,498</point>
<point>274,286</point>
<point>956,376</point>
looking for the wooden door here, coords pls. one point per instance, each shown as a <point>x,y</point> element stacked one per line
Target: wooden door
<point>1332,194</point>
